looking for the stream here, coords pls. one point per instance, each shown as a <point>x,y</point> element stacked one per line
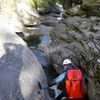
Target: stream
<point>37,44</point>
<point>34,42</point>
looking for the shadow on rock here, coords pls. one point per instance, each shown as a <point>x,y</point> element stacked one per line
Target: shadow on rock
<point>10,67</point>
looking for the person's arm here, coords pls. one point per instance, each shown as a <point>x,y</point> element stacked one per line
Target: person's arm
<point>60,77</point>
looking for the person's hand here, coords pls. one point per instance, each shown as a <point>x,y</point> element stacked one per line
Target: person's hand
<point>52,83</point>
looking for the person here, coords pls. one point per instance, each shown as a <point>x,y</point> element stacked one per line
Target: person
<point>68,71</point>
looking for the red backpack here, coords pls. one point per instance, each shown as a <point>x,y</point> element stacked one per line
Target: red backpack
<point>75,84</point>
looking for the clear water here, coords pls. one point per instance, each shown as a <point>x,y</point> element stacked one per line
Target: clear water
<point>40,55</point>
<point>45,39</point>
<point>48,69</point>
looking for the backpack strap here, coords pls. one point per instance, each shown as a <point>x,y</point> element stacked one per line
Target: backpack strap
<point>74,67</point>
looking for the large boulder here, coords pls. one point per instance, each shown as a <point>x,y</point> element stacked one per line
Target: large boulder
<point>78,39</point>
<point>19,13</point>
<point>27,13</point>
<point>20,70</point>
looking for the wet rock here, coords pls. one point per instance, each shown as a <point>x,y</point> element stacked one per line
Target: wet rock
<point>20,70</point>
<point>49,20</point>
<point>46,8</point>
<point>45,30</point>
<point>31,31</point>
<point>40,30</point>
<point>20,34</point>
<point>76,20</point>
<point>55,9</point>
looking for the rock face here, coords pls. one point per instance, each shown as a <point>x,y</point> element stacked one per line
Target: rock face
<point>24,14</point>
<point>19,13</point>
<point>78,38</point>
<point>28,14</point>
<point>20,71</point>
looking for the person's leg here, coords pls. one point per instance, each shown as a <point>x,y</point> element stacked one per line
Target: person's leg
<point>60,96</point>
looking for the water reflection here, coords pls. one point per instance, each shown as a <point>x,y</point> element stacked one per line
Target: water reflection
<point>45,39</point>
<point>32,40</point>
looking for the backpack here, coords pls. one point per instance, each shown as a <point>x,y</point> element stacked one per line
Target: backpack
<point>74,84</point>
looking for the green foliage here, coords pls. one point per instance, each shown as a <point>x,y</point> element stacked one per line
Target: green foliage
<point>34,3</point>
<point>39,2</point>
<point>51,1</point>
<point>89,1</point>
<point>31,2</point>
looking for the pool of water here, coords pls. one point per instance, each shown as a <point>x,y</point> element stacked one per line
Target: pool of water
<point>33,42</point>
<point>40,55</point>
<point>45,39</point>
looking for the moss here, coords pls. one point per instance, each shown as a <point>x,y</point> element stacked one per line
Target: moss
<point>79,41</point>
<point>68,28</point>
<point>70,37</point>
<point>51,1</point>
<point>35,3</point>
